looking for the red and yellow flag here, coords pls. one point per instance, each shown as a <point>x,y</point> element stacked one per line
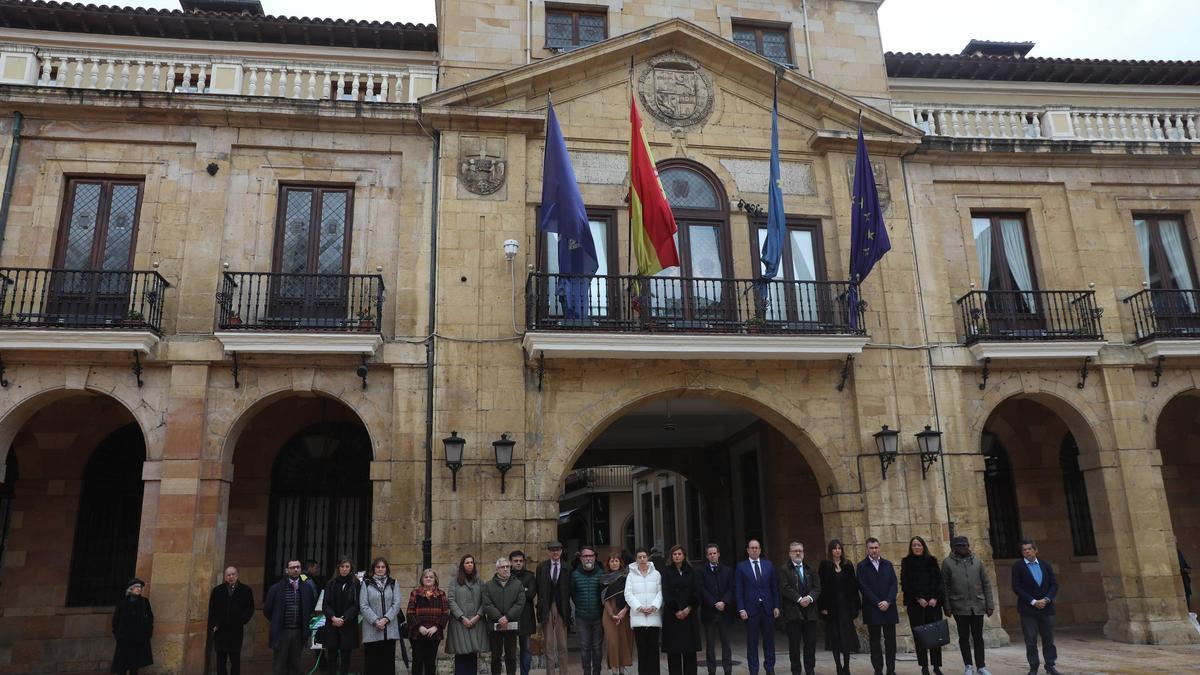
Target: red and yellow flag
<point>651,223</point>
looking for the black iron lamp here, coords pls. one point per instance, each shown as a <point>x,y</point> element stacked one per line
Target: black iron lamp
<point>887,444</point>
<point>504,455</point>
<point>929,442</point>
<point>454,456</point>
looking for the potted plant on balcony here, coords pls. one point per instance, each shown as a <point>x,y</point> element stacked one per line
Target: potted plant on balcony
<point>133,318</point>
<point>233,319</point>
<point>755,324</point>
<point>366,321</point>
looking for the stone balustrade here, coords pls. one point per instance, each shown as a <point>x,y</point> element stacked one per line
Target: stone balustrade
<point>1055,123</point>
<point>214,75</point>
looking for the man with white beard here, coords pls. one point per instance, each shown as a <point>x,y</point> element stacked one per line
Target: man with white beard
<point>585,593</point>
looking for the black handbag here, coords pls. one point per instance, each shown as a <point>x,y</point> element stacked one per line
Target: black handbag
<point>932,635</point>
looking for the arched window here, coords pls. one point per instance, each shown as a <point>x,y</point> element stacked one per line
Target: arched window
<point>320,498</point>
<point>110,516</point>
<point>1079,514</point>
<point>702,213</point>
<point>7,491</point>
<point>1004,517</point>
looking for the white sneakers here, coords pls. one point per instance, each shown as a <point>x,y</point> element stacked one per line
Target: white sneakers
<point>970,670</point>
<point>984,671</point>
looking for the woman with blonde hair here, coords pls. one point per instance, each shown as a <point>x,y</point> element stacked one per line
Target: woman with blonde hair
<point>428,613</point>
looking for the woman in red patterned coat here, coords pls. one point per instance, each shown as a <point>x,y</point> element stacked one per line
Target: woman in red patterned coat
<point>428,613</point>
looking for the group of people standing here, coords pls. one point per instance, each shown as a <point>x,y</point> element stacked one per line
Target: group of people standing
<point>622,614</point>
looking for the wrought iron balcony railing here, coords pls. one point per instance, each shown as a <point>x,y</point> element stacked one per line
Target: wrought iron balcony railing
<point>81,299</point>
<point>1030,315</point>
<point>300,302</point>
<point>1165,314</point>
<point>600,478</point>
<point>628,303</point>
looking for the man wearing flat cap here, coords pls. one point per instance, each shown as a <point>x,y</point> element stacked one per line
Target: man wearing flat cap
<point>553,607</point>
<point>968,599</point>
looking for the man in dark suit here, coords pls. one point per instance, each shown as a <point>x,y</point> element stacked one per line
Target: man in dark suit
<point>554,607</point>
<point>757,593</point>
<point>230,608</point>
<point>288,606</point>
<point>1034,583</point>
<point>799,586</point>
<point>715,587</point>
<point>878,585</point>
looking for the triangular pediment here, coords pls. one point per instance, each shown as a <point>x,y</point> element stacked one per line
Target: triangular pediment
<point>675,53</point>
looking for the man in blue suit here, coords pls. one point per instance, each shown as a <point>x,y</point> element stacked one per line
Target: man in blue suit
<point>1034,583</point>
<point>757,592</point>
<point>877,582</point>
<point>715,586</point>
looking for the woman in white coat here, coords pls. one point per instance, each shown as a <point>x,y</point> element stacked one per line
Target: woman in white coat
<point>379,605</point>
<point>643,594</point>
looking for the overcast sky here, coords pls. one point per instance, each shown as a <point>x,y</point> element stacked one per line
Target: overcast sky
<point>1123,29</point>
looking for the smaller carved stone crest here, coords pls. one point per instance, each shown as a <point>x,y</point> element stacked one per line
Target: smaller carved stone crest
<point>881,182</point>
<point>481,165</point>
<point>675,90</point>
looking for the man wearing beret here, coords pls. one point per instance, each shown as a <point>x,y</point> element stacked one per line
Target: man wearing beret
<point>553,607</point>
<point>968,599</point>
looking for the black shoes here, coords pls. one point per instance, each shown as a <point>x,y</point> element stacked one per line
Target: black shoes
<point>1051,670</point>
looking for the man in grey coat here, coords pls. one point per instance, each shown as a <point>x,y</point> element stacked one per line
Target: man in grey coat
<point>503,602</point>
<point>968,599</point>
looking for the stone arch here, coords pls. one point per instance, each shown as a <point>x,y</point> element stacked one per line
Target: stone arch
<point>1167,390</point>
<point>1062,399</point>
<point>557,456</point>
<point>223,437</point>
<point>150,421</point>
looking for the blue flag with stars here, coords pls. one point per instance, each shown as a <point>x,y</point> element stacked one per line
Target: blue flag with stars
<point>772,250</point>
<point>868,236</point>
<point>563,213</point>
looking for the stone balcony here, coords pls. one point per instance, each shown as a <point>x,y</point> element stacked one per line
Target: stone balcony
<point>1054,123</point>
<point>205,74</point>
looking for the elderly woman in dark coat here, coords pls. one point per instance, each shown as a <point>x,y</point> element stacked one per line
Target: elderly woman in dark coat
<point>340,634</point>
<point>681,625</point>
<point>132,626</point>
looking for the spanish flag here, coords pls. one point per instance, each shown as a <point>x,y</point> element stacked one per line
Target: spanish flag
<point>651,223</point>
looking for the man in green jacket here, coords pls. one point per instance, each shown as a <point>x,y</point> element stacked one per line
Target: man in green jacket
<point>503,600</point>
<point>585,593</point>
<point>968,599</point>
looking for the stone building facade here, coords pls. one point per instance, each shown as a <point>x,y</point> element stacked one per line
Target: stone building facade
<point>255,268</point>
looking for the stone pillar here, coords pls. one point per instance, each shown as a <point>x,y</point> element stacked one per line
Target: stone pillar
<point>1134,536</point>
<point>181,525</point>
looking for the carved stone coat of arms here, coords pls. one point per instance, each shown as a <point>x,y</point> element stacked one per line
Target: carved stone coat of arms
<point>675,90</point>
<point>481,165</point>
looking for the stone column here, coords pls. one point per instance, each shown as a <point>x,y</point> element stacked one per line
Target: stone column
<point>181,525</point>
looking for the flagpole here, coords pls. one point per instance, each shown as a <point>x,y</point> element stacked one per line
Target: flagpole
<point>629,195</point>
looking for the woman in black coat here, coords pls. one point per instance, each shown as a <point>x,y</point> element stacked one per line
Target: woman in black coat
<point>839,603</point>
<point>340,635</point>
<point>924,595</point>
<point>132,626</point>
<point>681,625</point>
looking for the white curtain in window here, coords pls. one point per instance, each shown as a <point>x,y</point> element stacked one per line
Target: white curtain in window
<point>1013,235</point>
<point>1173,242</point>
<point>804,270</point>
<point>1142,230</point>
<point>983,250</point>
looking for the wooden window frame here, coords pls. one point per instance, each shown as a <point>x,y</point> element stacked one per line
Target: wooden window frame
<point>998,247</point>
<point>575,11</point>
<point>102,212</point>
<point>718,216</point>
<point>759,27</point>
<point>607,214</point>
<point>791,223</point>
<point>1158,251</point>
<point>319,190</point>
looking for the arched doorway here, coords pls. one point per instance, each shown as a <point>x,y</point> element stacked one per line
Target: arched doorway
<point>1178,439</point>
<point>690,470</point>
<point>74,521</point>
<point>301,489</point>
<point>1036,490</point>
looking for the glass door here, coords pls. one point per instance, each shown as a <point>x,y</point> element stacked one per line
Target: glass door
<point>794,296</point>
<point>695,293</point>
<point>312,238</point>
<point>1006,271</point>
<point>1169,273</point>
<point>599,302</point>
<point>92,280</point>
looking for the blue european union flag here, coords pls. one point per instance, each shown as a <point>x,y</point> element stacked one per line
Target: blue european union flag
<point>564,214</point>
<point>772,250</point>
<point>868,236</point>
